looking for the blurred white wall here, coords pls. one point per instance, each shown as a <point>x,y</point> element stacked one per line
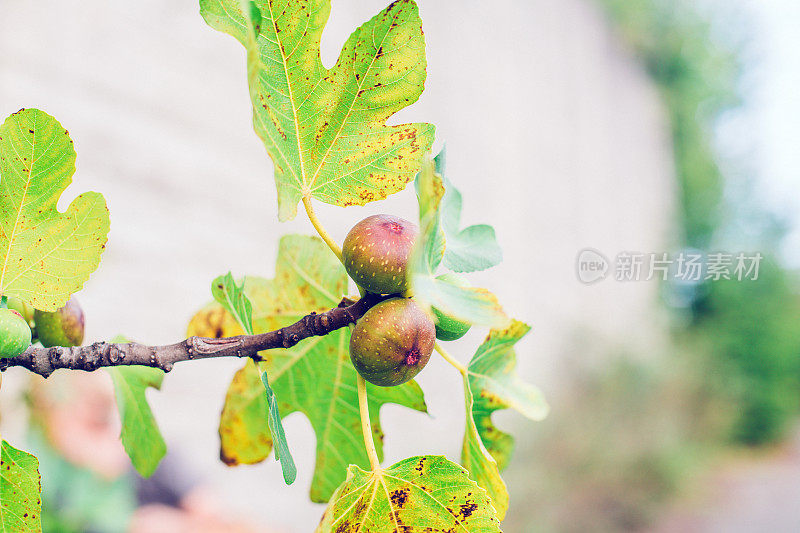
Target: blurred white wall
<point>554,135</point>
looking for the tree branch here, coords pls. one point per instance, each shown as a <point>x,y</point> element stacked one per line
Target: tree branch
<point>44,361</point>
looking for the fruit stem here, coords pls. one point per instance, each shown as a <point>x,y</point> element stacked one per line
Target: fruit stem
<point>366,427</point>
<point>312,216</point>
<point>452,360</point>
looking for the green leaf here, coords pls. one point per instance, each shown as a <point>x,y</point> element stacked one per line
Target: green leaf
<point>473,305</point>
<point>20,491</point>
<point>424,493</point>
<point>494,381</point>
<point>325,129</point>
<point>314,377</point>
<point>232,297</point>
<point>140,435</point>
<point>471,249</point>
<point>282,452</point>
<point>234,300</point>
<point>468,304</point>
<point>45,256</point>
<point>480,464</point>
<point>77,499</point>
<point>430,190</point>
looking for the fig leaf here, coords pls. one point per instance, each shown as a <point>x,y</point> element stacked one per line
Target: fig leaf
<point>45,255</point>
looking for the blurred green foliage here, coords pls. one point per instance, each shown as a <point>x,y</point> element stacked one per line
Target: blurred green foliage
<point>629,436</point>
<point>76,500</point>
<point>698,78</point>
<point>748,330</point>
<point>618,446</point>
<point>755,351</point>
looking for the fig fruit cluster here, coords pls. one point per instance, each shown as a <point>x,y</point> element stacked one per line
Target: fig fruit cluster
<point>20,325</point>
<point>394,339</point>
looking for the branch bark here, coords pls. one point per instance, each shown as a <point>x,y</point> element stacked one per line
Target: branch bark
<point>44,361</point>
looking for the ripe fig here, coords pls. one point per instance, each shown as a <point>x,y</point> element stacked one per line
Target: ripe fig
<point>392,342</point>
<point>15,335</point>
<point>64,327</point>
<point>447,327</point>
<point>376,253</point>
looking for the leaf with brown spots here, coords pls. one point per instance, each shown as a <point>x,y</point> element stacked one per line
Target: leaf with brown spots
<point>20,491</point>
<point>325,129</point>
<point>480,464</point>
<point>234,300</point>
<point>213,321</point>
<point>495,385</point>
<point>45,256</point>
<point>424,493</point>
<point>314,377</point>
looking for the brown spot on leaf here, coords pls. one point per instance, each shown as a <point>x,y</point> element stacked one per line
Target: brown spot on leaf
<point>466,509</point>
<point>399,497</point>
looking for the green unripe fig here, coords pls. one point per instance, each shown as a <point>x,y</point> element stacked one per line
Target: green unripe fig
<point>392,342</point>
<point>376,253</point>
<point>15,335</point>
<point>64,327</point>
<point>26,310</point>
<point>447,327</point>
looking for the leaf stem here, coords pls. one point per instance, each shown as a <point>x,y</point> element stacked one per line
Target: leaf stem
<point>366,427</point>
<point>312,216</point>
<point>452,360</point>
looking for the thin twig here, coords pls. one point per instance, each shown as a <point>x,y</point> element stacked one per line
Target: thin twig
<point>44,361</point>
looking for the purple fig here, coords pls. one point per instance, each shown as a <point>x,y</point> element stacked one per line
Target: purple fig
<point>376,253</point>
<point>392,342</point>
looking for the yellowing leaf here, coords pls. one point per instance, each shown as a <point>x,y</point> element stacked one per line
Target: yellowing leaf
<point>424,493</point>
<point>325,129</point>
<point>234,300</point>
<point>469,304</point>
<point>20,491</point>
<point>494,383</point>
<point>213,321</point>
<point>480,464</point>
<point>45,256</point>
<point>314,377</point>
<point>428,254</point>
<point>244,437</point>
